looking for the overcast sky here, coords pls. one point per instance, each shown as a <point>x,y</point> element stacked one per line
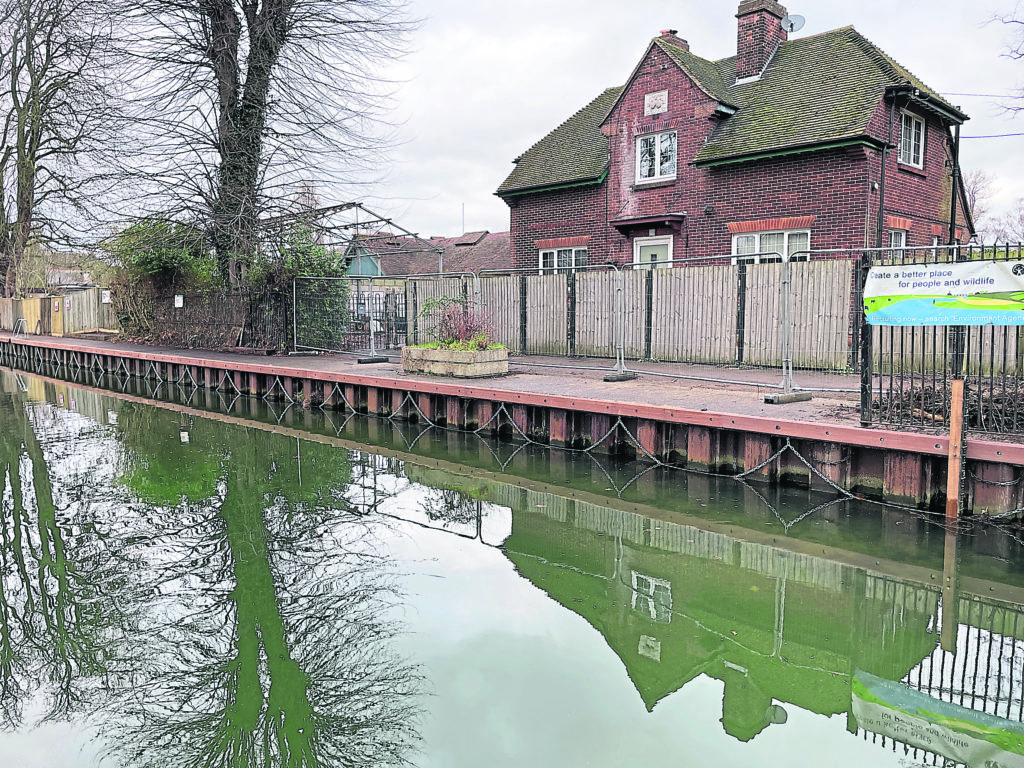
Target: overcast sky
<point>486,79</point>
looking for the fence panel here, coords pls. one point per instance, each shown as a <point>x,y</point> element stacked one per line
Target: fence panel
<point>596,297</point>
<point>634,314</point>
<point>82,311</point>
<point>7,316</point>
<point>500,300</point>
<point>420,291</point>
<point>546,317</point>
<point>693,314</point>
<point>821,312</point>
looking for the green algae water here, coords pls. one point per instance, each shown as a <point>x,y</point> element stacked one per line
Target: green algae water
<point>214,582</point>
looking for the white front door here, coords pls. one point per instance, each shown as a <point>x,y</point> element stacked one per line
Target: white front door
<point>653,250</point>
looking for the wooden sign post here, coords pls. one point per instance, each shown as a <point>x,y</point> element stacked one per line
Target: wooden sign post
<point>956,445</point>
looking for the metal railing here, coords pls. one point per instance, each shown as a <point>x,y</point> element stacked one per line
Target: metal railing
<point>912,366</point>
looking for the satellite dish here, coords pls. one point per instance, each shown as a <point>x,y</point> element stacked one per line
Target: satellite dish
<point>793,23</point>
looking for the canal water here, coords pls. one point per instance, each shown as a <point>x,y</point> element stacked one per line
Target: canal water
<point>198,581</point>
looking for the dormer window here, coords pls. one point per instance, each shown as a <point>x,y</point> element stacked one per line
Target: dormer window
<point>656,156</point>
<point>912,140</point>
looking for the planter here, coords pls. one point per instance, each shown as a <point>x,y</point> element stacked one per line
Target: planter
<point>463,364</point>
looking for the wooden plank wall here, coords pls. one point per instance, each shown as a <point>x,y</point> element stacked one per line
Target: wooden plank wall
<point>500,301</point>
<point>694,314</point>
<point>595,313</point>
<point>7,315</point>
<point>546,322</point>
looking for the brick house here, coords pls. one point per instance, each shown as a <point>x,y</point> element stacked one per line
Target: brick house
<point>779,148</point>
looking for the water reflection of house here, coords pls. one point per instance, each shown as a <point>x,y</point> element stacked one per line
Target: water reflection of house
<point>776,627</point>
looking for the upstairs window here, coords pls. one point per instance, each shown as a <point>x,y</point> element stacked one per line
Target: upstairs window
<point>912,140</point>
<point>897,238</point>
<point>555,260</point>
<point>656,156</point>
<point>793,242</point>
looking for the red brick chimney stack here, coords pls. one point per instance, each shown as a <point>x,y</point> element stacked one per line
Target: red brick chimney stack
<point>671,36</point>
<point>759,32</point>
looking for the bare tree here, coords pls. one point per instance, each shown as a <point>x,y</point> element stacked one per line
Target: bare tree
<point>55,113</point>
<point>243,100</point>
<point>978,190</point>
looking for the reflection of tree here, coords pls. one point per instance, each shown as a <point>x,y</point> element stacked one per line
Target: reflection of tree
<point>54,617</point>
<point>268,643</point>
<point>450,506</point>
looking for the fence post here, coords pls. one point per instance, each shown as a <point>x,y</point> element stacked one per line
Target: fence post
<point>522,314</point>
<point>741,309</point>
<point>295,315</point>
<point>648,313</point>
<point>867,361</point>
<point>570,310</point>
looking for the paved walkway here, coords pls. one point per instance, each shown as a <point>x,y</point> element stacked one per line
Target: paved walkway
<point>717,389</point>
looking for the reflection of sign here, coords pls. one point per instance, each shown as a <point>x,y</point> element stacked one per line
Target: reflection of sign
<point>957,733</point>
<point>964,293</point>
<point>105,297</point>
<point>67,303</point>
<point>179,301</point>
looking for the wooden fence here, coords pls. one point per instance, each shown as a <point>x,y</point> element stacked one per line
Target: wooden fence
<point>71,313</point>
<point>720,314</point>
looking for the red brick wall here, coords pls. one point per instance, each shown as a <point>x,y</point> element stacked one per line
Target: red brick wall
<point>835,186</point>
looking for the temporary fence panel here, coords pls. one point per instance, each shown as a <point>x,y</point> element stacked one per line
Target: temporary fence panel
<point>546,316</point>
<point>635,315</point>
<point>501,302</point>
<point>593,317</point>
<point>693,314</point>
<point>420,292</point>
<point>760,337</point>
<point>822,314</point>
<point>323,318</point>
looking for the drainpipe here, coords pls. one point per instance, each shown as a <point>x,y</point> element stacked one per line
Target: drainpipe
<point>880,222</point>
<point>956,179</point>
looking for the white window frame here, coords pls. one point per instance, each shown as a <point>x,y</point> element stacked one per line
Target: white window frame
<point>639,242</point>
<point>897,238</point>
<point>646,590</point>
<point>579,255</point>
<point>912,152</point>
<point>658,175</point>
<point>738,258</point>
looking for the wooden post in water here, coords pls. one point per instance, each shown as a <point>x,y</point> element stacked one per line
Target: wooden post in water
<point>956,444</point>
<point>950,592</point>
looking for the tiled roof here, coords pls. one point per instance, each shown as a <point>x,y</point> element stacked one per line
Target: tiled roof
<point>820,88</point>
<point>815,89</point>
<point>704,73</point>
<point>467,253</point>
<point>575,152</point>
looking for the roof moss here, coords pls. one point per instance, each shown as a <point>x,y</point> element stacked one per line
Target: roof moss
<point>575,152</point>
<point>815,90</point>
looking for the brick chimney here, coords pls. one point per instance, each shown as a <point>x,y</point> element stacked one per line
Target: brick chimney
<point>759,31</point>
<point>671,36</point>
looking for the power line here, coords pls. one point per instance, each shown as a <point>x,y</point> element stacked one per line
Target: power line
<point>986,95</point>
<point>993,136</point>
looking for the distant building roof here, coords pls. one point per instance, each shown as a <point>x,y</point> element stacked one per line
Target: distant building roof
<point>469,252</point>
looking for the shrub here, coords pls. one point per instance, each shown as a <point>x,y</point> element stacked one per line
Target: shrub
<point>457,325</point>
